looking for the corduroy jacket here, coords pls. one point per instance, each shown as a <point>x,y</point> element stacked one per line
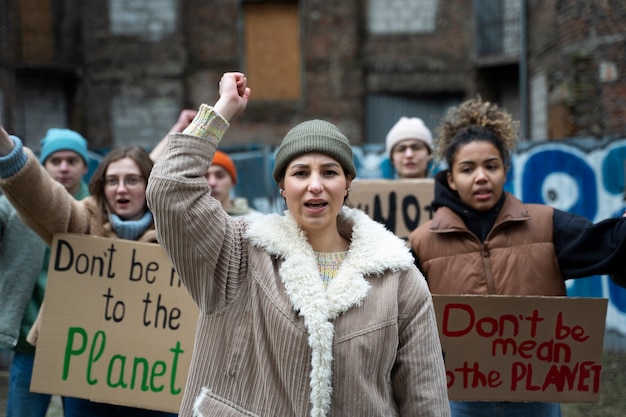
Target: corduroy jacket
<point>517,258</point>
<point>271,340</point>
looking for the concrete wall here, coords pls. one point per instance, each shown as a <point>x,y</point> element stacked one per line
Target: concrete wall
<point>117,60</point>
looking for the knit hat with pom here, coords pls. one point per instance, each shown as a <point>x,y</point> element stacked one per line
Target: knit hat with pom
<point>314,136</point>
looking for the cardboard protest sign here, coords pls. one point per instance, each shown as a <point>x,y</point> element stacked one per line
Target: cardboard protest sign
<point>506,348</point>
<point>401,205</point>
<point>118,326</point>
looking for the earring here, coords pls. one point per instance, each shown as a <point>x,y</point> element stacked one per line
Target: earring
<point>280,191</point>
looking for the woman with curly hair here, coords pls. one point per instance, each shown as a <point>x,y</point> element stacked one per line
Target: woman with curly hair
<point>483,240</point>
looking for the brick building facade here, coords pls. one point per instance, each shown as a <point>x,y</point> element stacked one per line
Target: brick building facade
<point>120,71</point>
<point>577,58</point>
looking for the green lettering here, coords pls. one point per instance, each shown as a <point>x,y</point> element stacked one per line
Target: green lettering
<point>69,348</point>
<point>176,351</point>
<point>144,379</point>
<point>120,381</point>
<point>94,358</point>
<point>157,373</point>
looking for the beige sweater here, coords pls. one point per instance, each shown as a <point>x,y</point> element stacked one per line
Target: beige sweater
<point>271,341</point>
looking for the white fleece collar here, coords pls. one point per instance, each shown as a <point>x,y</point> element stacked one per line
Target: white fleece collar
<point>373,250</point>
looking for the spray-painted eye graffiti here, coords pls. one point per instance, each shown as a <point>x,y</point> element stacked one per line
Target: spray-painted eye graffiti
<point>561,179</point>
<point>582,177</point>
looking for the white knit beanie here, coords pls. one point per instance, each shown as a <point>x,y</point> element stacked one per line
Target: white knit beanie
<point>409,128</point>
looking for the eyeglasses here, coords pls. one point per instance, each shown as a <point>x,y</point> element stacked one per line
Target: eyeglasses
<point>130,181</point>
<point>416,146</point>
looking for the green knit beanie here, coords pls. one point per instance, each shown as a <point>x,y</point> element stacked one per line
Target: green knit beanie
<point>314,136</point>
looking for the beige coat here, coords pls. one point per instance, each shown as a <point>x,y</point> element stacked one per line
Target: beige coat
<point>271,340</point>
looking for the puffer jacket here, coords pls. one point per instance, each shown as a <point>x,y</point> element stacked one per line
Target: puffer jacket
<point>517,257</point>
<point>514,248</point>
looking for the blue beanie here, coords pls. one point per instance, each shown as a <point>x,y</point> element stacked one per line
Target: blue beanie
<point>63,140</point>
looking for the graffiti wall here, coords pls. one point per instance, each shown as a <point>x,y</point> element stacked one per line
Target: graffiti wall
<point>585,177</point>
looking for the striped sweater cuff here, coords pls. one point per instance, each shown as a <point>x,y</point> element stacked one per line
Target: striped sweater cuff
<point>207,124</point>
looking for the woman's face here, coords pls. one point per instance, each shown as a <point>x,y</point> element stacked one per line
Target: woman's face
<point>410,158</point>
<point>125,189</point>
<point>478,175</point>
<point>314,189</point>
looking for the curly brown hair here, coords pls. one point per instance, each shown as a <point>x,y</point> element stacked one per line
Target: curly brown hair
<point>475,119</point>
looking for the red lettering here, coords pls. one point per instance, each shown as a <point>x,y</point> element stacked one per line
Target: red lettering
<point>554,352</point>
<point>526,347</point>
<point>561,377</point>
<point>504,344</point>
<point>522,372</point>
<point>518,373</point>
<point>562,331</point>
<point>581,377</point>
<point>487,327</point>
<point>547,351</point>
<point>534,320</point>
<point>473,377</point>
<point>447,314</point>
<point>460,319</point>
<point>589,369</point>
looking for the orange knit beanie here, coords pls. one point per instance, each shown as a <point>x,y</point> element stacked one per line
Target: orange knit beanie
<point>223,160</point>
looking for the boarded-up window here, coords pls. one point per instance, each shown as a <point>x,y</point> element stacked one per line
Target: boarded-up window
<point>37,33</point>
<point>272,50</point>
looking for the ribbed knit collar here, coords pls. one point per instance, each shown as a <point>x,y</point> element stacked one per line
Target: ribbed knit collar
<point>130,229</point>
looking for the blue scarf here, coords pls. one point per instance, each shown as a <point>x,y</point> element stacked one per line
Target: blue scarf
<point>130,229</point>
